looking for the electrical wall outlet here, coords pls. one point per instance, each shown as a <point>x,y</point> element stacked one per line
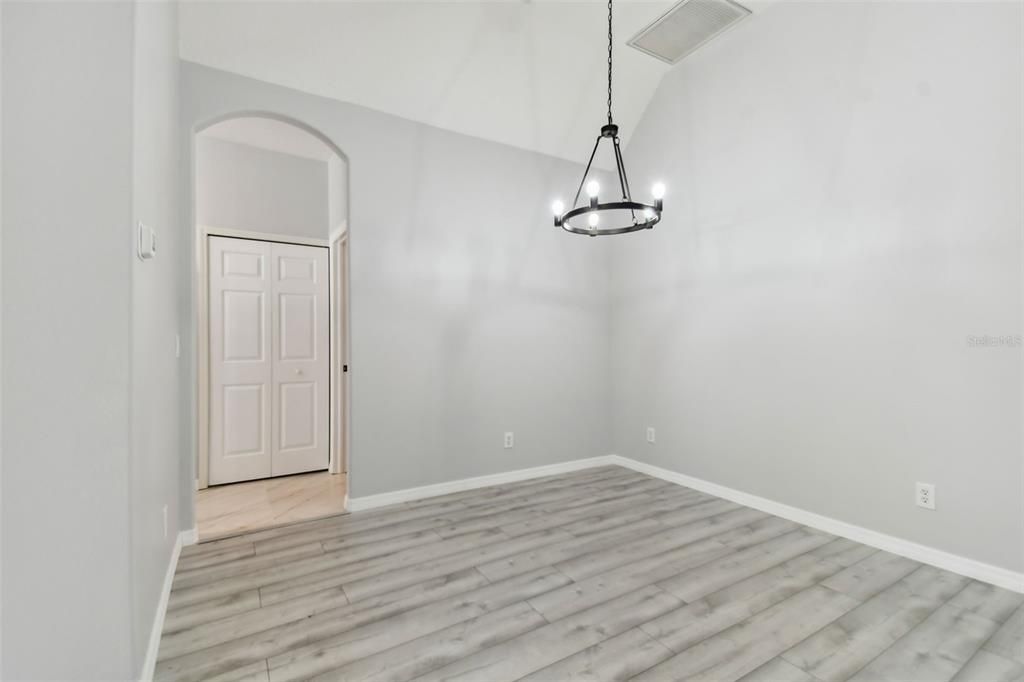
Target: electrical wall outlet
<point>924,495</point>
<point>650,434</point>
<point>165,522</point>
<point>510,440</point>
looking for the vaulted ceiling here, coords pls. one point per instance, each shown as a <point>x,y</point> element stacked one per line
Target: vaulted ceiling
<point>525,73</point>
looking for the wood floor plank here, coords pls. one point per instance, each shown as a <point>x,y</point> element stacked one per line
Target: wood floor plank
<point>598,574</point>
<point>212,632</point>
<point>304,576</point>
<point>209,661</point>
<point>743,563</point>
<point>571,483</point>
<point>187,617</point>
<point>1008,641</point>
<point>656,507</point>
<point>617,658</point>
<point>336,537</point>
<point>304,662</point>
<point>549,555</point>
<point>840,650</point>
<point>547,645</point>
<point>602,587</point>
<point>766,528</point>
<point>364,588</point>
<point>206,574</point>
<point>606,559</point>
<point>594,542</point>
<point>709,615</point>
<point>421,655</point>
<point>867,578</point>
<point>555,516</point>
<point>778,670</point>
<point>287,588</point>
<point>988,601</point>
<point>986,666</point>
<point>529,511</point>
<point>934,651</point>
<point>254,672</point>
<point>240,550</point>
<point>844,552</point>
<point>747,646</point>
<point>597,589</point>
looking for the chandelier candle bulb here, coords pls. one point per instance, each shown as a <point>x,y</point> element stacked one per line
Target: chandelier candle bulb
<point>622,216</point>
<point>658,190</point>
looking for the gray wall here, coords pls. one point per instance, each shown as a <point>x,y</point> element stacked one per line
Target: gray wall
<point>471,314</point>
<point>247,188</point>
<point>86,467</point>
<point>67,300</point>
<point>157,442</point>
<point>1,341</point>
<point>844,210</point>
<point>337,193</point>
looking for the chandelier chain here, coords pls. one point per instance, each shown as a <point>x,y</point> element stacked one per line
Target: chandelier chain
<point>609,61</point>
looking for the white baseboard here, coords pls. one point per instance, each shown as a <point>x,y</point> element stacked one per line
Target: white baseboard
<point>978,570</point>
<point>185,537</point>
<point>409,494</point>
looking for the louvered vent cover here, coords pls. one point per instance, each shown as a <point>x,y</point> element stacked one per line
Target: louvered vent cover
<point>686,27</point>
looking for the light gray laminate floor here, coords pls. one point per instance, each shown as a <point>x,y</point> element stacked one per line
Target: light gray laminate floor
<point>602,574</point>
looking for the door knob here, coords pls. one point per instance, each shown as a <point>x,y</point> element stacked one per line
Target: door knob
<point>298,372</point>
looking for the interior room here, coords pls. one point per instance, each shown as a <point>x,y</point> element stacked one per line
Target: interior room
<point>507,340</point>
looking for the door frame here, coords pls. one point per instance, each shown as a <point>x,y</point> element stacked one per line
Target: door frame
<point>203,232</point>
<point>340,343</point>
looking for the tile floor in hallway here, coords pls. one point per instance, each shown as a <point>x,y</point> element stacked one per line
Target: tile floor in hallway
<point>252,505</point>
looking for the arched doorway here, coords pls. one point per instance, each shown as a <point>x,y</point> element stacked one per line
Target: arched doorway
<point>270,208</point>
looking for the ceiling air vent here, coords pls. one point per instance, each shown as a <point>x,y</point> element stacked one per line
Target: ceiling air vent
<point>686,27</point>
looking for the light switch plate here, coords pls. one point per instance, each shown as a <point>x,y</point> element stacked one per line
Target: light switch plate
<point>145,241</point>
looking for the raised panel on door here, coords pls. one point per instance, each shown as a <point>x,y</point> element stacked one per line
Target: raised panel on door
<point>241,360</point>
<point>301,344</point>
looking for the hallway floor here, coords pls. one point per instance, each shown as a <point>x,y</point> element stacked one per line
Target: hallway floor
<point>253,505</point>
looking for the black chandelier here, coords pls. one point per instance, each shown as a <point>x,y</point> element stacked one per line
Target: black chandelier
<point>614,217</point>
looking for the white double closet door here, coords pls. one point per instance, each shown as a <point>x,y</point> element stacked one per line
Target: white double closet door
<point>269,359</point>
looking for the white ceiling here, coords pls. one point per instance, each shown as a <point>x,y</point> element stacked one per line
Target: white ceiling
<point>268,133</point>
<point>526,73</point>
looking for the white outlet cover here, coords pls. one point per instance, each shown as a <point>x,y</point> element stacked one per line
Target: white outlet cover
<point>924,495</point>
<point>510,440</point>
<point>650,434</point>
